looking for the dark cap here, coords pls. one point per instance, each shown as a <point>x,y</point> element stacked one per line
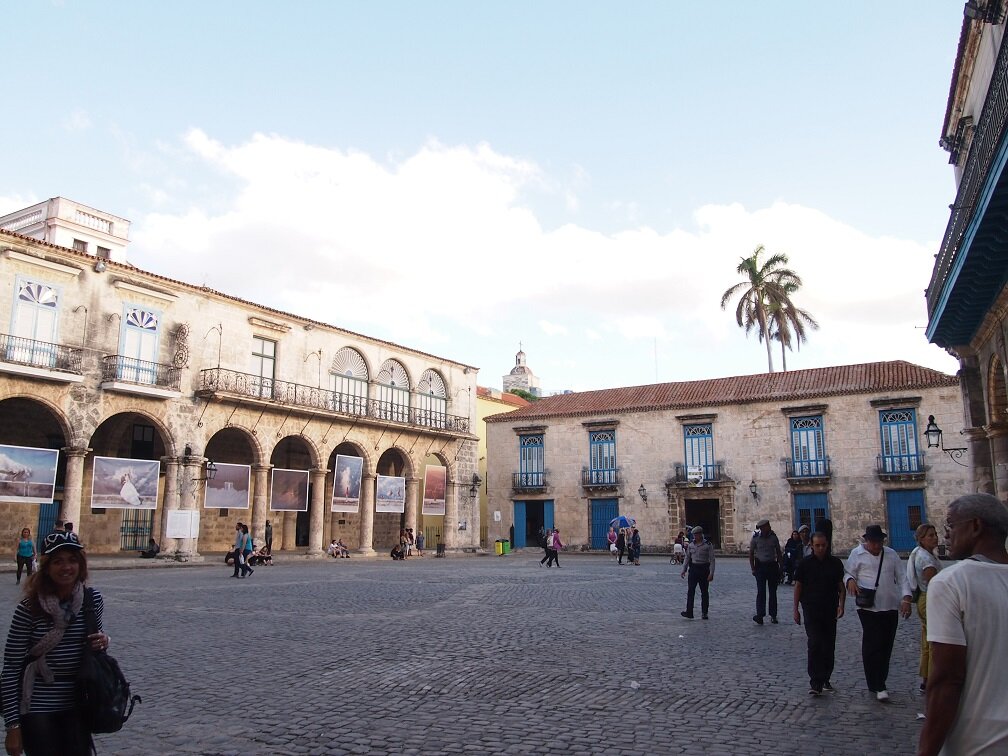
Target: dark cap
<point>55,541</point>
<point>874,533</point>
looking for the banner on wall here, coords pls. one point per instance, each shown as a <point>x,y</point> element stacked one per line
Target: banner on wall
<point>434,490</point>
<point>289,491</point>
<point>230,487</point>
<point>391,494</point>
<point>347,484</point>
<point>124,483</point>
<point>27,474</point>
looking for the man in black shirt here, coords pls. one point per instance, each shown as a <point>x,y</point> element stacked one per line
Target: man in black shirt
<point>820,591</point>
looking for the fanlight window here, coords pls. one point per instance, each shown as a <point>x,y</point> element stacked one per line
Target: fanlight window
<point>349,382</point>
<point>432,402</point>
<point>393,392</point>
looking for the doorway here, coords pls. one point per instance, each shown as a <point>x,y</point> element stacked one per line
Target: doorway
<point>529,518</point>
<point>707,514</point>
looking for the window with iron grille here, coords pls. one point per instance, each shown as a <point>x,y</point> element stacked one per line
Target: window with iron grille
<point>602,457</point>
<point>899,441</point>
<point>698,442</point>
<point>808,453</point>
<point>531,460</point>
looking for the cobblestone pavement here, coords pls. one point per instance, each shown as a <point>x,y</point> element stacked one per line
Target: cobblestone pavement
<point>481,655</point>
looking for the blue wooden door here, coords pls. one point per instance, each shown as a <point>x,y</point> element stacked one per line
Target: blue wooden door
<point>810,508</point>
<point>906,512</point>
<point>46,522</point>
<point>519,524</point>
<point>602,513</point>
<point>548,514</point>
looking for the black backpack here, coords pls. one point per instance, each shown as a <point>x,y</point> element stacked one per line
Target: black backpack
<point>103,692</point>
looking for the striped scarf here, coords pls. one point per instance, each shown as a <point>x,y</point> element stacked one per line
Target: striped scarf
<point>37,665</point>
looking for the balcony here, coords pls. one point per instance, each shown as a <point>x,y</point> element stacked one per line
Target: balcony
<point>598,480</point>
<point>901,466</point>
<point>40,359</point>
<point>528,481</point>
<point>693,476</point>
<point>217,382</point>
<point>807,470</point>
<point>132,376</point>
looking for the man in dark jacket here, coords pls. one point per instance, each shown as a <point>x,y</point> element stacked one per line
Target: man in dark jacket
<point>819,590</point>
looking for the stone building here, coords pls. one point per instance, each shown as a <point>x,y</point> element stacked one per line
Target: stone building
<point>104,361</point>
<point>840,442</point>
<point>66,223</point>
<point>489,402</point>
<point>522,377</point>
<point>967,298</point>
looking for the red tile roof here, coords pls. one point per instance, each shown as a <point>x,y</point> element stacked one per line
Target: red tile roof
<point>794,385</point>
<point>501,396</point>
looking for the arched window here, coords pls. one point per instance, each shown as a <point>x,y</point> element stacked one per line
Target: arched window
<point>393,392</point>
<point>432,399</point>
<point>349,382</point>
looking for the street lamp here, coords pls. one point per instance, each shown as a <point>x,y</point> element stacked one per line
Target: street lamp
<point>933,434</point>
<point>474,488</point>
<point>643,493</point>
<point>753,491</point>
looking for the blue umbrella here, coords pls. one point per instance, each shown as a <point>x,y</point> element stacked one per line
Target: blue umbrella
<point>622,522</point>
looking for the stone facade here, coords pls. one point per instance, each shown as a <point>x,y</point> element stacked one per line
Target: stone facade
<point>751,437</point>
<point>967,298</point>
<point>521,377</point>
<point>489,402</point>
<point>77,383</point>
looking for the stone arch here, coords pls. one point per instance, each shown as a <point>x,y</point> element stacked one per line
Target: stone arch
<point>226,445</point>
<point>102,439</point>
<point>287,454</point>
<point>997,394</point>
<point>14,430</point>
<point>403,466</point>
<point>352,448</point>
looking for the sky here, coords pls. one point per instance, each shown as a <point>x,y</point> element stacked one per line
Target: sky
<point>581,178</point>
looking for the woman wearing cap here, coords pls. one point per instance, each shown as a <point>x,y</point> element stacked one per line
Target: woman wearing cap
<point>877,568</point>
<point>43,653</point>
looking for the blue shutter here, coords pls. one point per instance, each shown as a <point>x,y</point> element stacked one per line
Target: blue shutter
<point>519,524</point>
<point>906,512</point>
<point>603,511</point>
<point>810,508</point>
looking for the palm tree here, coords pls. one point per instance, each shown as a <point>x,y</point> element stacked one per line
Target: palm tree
<point>787,321</point>
<point>766,286</point>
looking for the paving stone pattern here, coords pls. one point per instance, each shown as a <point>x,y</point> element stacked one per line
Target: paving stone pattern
<point>481,655</point>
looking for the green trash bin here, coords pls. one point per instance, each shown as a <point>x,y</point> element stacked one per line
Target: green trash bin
<point>507,546</point>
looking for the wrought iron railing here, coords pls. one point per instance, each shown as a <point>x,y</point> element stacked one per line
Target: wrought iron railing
<point>523,480</point>
<point>21,351</point>
<point>807,468</point>
<point>607,477</point>
<point>986,137</point>
<point>900,464</point>
<point>312,397</point>
<point>116,367</point>
<point>699,474</point>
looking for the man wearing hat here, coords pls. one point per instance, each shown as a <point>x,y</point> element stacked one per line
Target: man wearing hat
<point>875,572</point>
<point>765,561</point>
<point>806,538</point>
<point>700,565</point>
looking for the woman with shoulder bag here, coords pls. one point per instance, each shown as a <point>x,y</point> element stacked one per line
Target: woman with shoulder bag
<point>45,647</point>
<point>921,567</point>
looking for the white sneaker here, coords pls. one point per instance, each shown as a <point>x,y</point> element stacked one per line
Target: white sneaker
<point>882,695</point>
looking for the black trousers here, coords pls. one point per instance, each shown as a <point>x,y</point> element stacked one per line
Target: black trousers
<point>240,564</point>
<point>546,555</point>
<point>23,562</point>
<point>878,636</point>
<point>554,557</point>
<point>57,733</point>
<point>697,576</point>
<point>820,627</point>
<point>767,578</point>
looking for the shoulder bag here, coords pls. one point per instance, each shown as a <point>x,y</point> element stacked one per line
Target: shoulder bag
<point>102,691</point>
<point>865,598</point>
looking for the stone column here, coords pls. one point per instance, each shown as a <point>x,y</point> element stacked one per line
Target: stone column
<point>73,487</point>
<point>449,526</point>
<point>289,531</point>
<point>980,456</point>
<point>169,503</point>
<point>998,435</point>
<point>260,481</point>
<point>192,468</point>
<point>412,492</point>
<point>366,547</point>
<point>316,512</point>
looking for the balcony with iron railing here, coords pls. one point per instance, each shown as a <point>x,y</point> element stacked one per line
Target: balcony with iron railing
<point>807,470</point>
<point>600,478</point>
<point>40,358</point>
<point>528,481</point>
<point>230,383</point>
<point>901,466</point>
<point>121,373</point>
<point>698,475</point>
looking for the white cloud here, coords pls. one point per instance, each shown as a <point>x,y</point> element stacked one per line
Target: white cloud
<point>78,120</point>
<point>439,250</point>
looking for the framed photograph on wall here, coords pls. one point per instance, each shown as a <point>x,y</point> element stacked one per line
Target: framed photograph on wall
<point>124,483</point>
<point>347,484</point>
<point>230,487</point>
<point>27,474</point>
<point>289,491</point>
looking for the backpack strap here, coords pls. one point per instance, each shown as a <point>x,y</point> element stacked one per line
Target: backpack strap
<point>87,608</point>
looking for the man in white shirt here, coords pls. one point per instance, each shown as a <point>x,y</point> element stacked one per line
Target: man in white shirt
<point>967,616</point>
<point>876,567</point>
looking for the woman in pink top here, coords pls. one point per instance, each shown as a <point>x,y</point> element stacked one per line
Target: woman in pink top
<point>555,545</point>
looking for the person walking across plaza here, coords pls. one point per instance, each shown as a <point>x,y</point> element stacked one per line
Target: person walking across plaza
<point>793,553</point>
<point>25,554</point>
<point>923,565</point>
<point>806,539</point>
<point>699,565</point>
<point>967,610</point>
<point>269,537</point>
<point>876,579</point>
<point>765,563</point>
<point>621,545</point>
<point>555,545</point>
<point>239,548</point>
<point>819,590</point>
<point>546,539</point>
<point>635,546</point>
